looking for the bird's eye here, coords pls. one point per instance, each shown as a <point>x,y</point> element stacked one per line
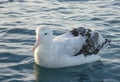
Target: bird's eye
<point>45,34</point>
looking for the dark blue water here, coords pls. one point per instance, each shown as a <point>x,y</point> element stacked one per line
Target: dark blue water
<point>18,20</point>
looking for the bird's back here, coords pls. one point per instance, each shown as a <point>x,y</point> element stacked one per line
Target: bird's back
<point>81,41</point>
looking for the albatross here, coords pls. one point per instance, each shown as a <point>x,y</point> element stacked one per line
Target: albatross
<point>75,47</point>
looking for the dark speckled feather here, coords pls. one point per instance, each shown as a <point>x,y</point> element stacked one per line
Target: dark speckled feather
<point>91,45</point>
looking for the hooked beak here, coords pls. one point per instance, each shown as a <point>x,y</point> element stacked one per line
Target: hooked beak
<point>36,43</point>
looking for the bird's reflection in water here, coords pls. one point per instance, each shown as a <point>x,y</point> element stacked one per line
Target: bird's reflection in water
<point>86,72</point>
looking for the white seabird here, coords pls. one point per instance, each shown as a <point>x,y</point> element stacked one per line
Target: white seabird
<point>78,46</point>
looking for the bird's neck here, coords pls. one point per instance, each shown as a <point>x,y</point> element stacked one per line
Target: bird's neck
<point>41,51</point>
<point>44,47</point>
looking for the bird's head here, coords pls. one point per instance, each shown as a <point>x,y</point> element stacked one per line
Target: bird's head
<point>43,36</point>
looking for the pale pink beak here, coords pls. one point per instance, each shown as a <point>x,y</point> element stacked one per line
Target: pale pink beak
<point>36,43</point>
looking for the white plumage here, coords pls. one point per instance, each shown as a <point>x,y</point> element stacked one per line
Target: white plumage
<point>76,47</point>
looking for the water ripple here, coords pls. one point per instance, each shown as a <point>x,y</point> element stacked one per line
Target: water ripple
<point>8,57</point>
<point>21,31</point>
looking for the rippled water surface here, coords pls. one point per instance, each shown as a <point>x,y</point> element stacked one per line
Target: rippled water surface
<point>18,20</point>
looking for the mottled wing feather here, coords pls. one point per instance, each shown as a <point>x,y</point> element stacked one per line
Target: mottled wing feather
<point>92,41</point>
